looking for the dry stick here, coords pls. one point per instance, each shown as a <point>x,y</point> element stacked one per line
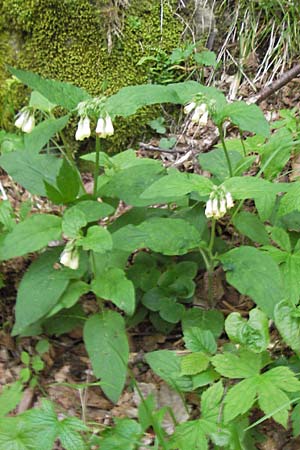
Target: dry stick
<point>273,87</point>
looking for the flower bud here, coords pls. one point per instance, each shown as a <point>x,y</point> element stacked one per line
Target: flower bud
<point>83,129</point>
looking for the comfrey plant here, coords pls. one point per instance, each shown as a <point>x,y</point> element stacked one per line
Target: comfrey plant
<point>89,248</point>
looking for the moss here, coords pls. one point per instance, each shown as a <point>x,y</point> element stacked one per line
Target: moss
<point>66,40</point>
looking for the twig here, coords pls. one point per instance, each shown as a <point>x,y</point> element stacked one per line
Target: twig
<point>152,148</point>
<point>276,85</point>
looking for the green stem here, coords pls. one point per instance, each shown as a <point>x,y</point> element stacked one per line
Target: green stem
<point>243,144</point>
<point>212,237</point>
<point>225,151</point>
<point>96,171</point>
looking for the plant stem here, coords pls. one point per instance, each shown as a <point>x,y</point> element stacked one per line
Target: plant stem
<point>96,172</point>
<point>225,150</point>
<point>212,237</point>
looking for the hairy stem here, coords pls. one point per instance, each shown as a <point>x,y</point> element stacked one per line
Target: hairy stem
<point>225,151</point>
<point>96,171</point>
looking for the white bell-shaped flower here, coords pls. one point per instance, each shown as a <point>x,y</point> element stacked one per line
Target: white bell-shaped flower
<point>109,128</point>
<point>25,121</point>
<point>100,129</point>
<point>83,129</point>
<point>203,119</point>
<point>189,107</point>
<point>229,200</point>
<point>70,257</point>
<point>222,208</point>
<point>209,209</point>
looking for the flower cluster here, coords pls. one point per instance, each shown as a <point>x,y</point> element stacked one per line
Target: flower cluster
<point>25,120</point>
<point>218,203</point>
<point>70,256</point>
<point>200,112</point>
<point>94,107</point>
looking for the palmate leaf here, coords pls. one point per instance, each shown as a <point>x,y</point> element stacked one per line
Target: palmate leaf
<point>57,92</point>
<point>287,320</point>
<point>107,345</point>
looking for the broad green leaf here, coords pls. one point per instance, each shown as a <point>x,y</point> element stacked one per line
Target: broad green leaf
<point>247,187</point>
<point>282,238</point>
<point>246,117</point>
<point>253,334</point>
<point>177,184</point>
<point>57,92</point>
<point>10,397</point>
<point>31,170</point>
<point>113,285</point>
<point>276,153</point>
<point>70,439</point>
<point>131,182</point>
<point>41,288</point>
<point>212,320</point>
<point>187,90</point>
<point>265,204</point>
<point>290,270</point>
<point>194,363</point>
<point>162,235</point>
<point>171,311</point>
<point>64,321</point>
<point>67,186</point>
<point>291,201</point>
<point>287,320</point>
<point>70,296</point>
<point>72,222</point>
<point>38,101</point>
<point>94,210</point>
<point>205,378</point>
<point>273,401</point>
<point>167,365</point>
<point>215,162</point>
<point>245,390</point>
<point>107,345</point>
<point>97,239</point>
<point>129,99</point>
<point>31,235</point>
<point>197,340</point>
<point>154,298</point>
<point>255,274</point>
<point>15,434</point>
<point>245,364</point>
<point>42,133</point>
<point>250,225</point>
<point>206,58</point>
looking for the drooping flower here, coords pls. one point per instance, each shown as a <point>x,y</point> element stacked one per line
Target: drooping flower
<point>109,128</point>
<point>25,121</point>
<point>222,207</point>
<point>229,200</point>
<point>100,129</point>
<point>70,257</point>
<point>200,114</point>
<point>189,107</point>
<point>105,127</point>
<point>209,209</point>
<point>83,129</point>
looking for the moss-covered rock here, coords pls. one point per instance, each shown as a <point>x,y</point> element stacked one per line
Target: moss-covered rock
<point>67,40</point>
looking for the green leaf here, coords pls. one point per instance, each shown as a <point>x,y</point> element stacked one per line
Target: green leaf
<point>282,238</point>
<point>253,334</point>
<point>246,117</point>
<point>125,435</point>
<point>215,162</point>
<point>296,420</point>
<point>210,402</point>
<point>245,390</point>
<point>206,58</point>
<point>162,235</point>
<point>67,184</point>
<point>42,133</point>
<point>15,434</point>
<point>212,320</point>
<point>196,339</point>
<point>31,170</point>
<point>106,343</point>
<point>204,378</point>
<point>70,296</point>
<point>72,222</point>
<point>93,210</point>
<point>290,270</point>
<point>287,320</point>
<point>245,364</point>
<point>265,204</point>
<point>41,288</point>
<point>38,101</point>
<point>97,239</point>
<point>276,152</point>
<point>274,402</point>
<point>31,235</point>
<point>177,184</point>
<point>250,225</point>
<point>194,363</point>
<point>57,92</point>
<point>189,435</point>
<point>131,182</point>
<point>247,187</point>
<point>129,99</point>
<point>167,365</point>
<point>113,285</point>
<point>171,311</point>
<point>291,201</point>
<point>10,397</point>
<point>255,274</point>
